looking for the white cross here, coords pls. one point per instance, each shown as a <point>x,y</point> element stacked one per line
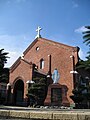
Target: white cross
<point>38,32</point>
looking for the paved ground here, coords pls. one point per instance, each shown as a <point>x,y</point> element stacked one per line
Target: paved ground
<point>43,113</point>
<point>41,109</point>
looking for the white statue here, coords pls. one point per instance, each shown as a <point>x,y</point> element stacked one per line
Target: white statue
<point>55,76</point>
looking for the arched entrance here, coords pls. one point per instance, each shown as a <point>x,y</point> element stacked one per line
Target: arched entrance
<point>18,92</point>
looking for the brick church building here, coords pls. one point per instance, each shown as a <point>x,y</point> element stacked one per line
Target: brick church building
<point>45,55</point>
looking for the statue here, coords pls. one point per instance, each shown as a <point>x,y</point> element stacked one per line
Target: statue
<point>55,76</point>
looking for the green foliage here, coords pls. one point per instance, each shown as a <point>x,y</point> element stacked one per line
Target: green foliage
<point>3,58</point>
<point>86,64</point>
<point>81,93</point>
<point>77,96</point>
<point>4,72</point>
<point>4,75</point>
<point>86,36</point>
<point>38,90</point>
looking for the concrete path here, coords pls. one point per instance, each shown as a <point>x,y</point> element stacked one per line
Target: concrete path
<point>11,112</point>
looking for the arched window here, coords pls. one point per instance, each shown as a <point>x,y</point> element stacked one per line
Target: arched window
<point>37,48</point>
<point>41,64</point>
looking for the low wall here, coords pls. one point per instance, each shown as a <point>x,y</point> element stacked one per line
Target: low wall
<point>45,115</point>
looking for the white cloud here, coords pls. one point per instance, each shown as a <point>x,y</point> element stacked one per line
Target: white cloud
<point>74,4</point>
<point>9,2</point>
<point>19,1</point>
<point>13,41</point>
<point>14,55</point>
<point>82,54</point>
<point>14,45</point>
<point>6,37</point>
<point>81,29</point>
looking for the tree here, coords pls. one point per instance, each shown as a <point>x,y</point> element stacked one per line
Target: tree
<point>37,91</point>
<point>86,64</point>
<point>78,96</point>
<point>86,37</point>
<point>4,72</point>
<point>4,75</point>
<point>81,93</point>
<point>3,58</point>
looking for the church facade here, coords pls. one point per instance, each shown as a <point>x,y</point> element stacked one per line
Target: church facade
<point>45,56</point>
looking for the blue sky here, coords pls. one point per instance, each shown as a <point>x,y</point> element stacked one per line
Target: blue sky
<point>61,20</point>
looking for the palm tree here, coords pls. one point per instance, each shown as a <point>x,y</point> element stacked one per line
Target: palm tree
<point>3,71</point>
<point>86,64</point>
<point>86,37</point>
<point>3,58</point>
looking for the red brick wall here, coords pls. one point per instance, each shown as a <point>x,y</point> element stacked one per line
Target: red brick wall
<point>60,59</point>
<point>24,72</point>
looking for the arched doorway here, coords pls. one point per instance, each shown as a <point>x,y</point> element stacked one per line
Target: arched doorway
<point>18,92</point>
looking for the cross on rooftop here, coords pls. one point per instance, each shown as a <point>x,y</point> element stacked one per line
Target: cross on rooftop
<point>38,32</point>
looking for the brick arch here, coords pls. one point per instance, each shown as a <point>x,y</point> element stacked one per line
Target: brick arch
<point>17,78</point>
<point>18,91</point>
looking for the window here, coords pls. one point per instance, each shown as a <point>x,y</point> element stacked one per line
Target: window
<point>41,64</point>
<point>37,48</point>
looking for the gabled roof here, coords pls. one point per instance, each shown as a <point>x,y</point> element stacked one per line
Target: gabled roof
<point>50,42</point>
<point>57,44</point>
<point>30,46</point>
<point>18,61</point>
